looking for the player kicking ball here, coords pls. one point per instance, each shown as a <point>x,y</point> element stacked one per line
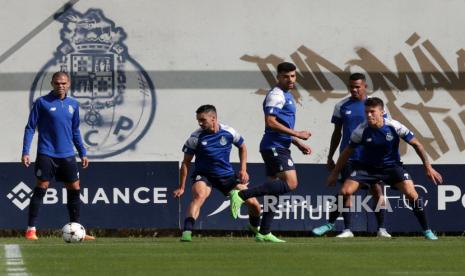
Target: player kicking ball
<point>380,161</point>
<point>211,145</point>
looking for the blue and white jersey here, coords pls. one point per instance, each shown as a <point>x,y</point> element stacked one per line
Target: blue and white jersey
<point>57,122</point>
<point>212,150</point>
<point>281,104</point>
<point>380,146</point>
<point>349,113</point>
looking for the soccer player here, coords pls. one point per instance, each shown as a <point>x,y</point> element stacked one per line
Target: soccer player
<point>279,108</point>
<point>347,115</point>
<point>380,159</point>
<point>211,145</point>
<point>56,117</point>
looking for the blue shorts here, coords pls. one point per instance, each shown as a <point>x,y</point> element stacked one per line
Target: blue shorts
<point>277,160</point>
<point>345,173</point>
<point>62,169</point>
<point>223,183</point>
<point>370,175</point>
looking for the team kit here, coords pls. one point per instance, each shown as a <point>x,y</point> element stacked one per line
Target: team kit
<point>366,137</point>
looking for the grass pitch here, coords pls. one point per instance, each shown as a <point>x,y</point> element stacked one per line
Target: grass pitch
<point>241,256</point>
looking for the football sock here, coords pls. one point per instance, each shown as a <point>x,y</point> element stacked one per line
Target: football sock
<point>275,187</point>
<point>34,205</point>
<point>347,215</point>
<point>334,214</point>
<point>380,217</point>
<point>189,223</point>
<point>267,219</point>
<point>419,213</point>
<point>254,221</point>
<point>74,205</point>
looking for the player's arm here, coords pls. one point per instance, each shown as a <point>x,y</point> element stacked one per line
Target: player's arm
<point>341,162</point>
<point>335,140</point>
<point>430,172</point>
<point>304,148</point>
<point>243,175</point>
<point>29,133</point>
<point>183,170</point>
<point>77,139</point>
<point>272,122</point>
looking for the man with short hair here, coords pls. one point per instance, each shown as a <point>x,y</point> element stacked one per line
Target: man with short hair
<point>380,159</point>
<point>211,145</point>
<point>348,114</point>
<point>279,108</point>
<point>56,117</point>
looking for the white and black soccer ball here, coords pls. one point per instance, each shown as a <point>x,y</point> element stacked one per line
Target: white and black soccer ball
<point>73,232</point>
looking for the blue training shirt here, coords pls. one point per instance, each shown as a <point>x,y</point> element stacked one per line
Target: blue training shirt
<point>212,150</point>
<point>380,146</point>
<point>349,113</point>
<point>57,122</point>
<point>281,104</point>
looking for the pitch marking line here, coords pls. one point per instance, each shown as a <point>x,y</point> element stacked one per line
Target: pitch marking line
<point>14,261</point>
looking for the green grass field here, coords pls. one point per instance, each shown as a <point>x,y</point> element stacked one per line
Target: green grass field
<point>241,256</point>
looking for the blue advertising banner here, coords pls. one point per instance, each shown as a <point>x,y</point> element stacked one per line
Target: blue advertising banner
<point>113,195</point>
<point>139,195</point>
<point>306,207</point>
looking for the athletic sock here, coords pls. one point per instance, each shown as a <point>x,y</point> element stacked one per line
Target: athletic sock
<point>254,221</point>
<point>275,187</point>
<point>334,214</point>
<point>189,223</point>
<point>267,219</point>
<point>419,213</point>
<point>380,217</point>
<point>74,205</point>
<point>34,205</point>
<point>347,215</point>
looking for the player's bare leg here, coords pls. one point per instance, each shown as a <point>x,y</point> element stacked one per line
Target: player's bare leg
<point>254,214</point>
<point>347,190</point>
<point>408,189</point>
<point>290,177</point>
<point>349,187</point>
<point>200,192</point>
<point>380,209</point>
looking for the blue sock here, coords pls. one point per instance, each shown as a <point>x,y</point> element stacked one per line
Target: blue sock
<point>419,213</point>
<point>267,219</point>
<point>347,215</point>
<point>254,221</point>
<point>189,223</point>
<point>334,214</point>
<point>34,205</point>
<point>380,217</point>
<point>275,187</point>
<point>74,205</point>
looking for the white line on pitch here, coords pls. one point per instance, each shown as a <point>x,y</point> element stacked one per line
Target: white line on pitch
<point>14,261</point>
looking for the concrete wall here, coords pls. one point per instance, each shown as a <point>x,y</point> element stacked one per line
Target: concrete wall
<point>168,57</point>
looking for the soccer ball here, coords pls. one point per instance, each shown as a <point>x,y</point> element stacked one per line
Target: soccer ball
<point>73,232</point>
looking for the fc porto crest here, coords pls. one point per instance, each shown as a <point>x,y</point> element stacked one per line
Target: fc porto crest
<point>116,95</point>
<point>389,136</point>
<point>223,141</point>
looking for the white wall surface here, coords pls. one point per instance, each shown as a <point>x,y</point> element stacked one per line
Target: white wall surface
<point>192,52</point>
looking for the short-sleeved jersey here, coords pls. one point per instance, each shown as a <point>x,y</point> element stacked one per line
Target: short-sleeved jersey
<point>380,146</point>
<point>212,150</point>
<point>281,104</point>
<point>349,113</point>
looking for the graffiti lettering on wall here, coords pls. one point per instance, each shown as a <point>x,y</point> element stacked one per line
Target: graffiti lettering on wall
<point>114,116</point>
<point>323,80</point>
